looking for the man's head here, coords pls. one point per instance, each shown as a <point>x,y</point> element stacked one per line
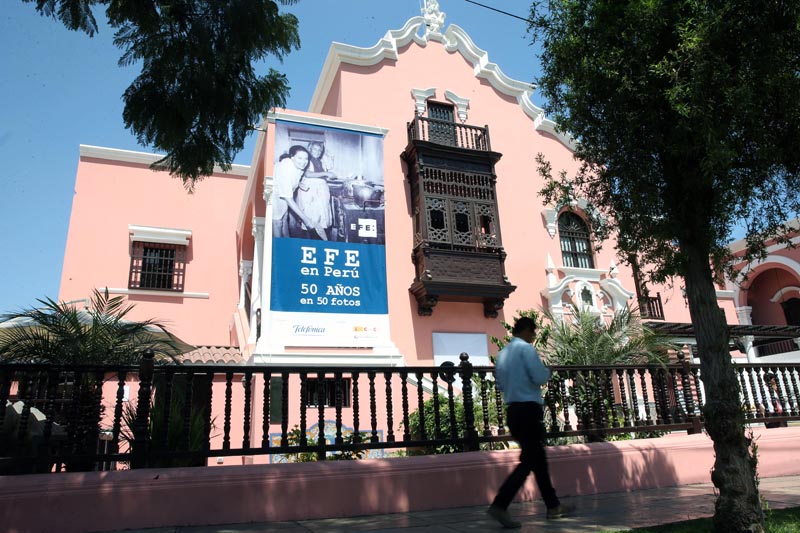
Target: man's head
<point>770,379</point>
<point>524,328</point>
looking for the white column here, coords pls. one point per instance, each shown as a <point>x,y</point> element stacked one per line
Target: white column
<point>265,281</point>
<point>745,314</point>
<point>255,294</point>
<point>245,270</point>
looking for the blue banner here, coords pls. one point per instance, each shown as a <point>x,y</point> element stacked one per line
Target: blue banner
<point>328,277</point>
<point>328,285</point>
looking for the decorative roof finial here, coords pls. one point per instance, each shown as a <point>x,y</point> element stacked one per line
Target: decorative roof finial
<point>434,19</point>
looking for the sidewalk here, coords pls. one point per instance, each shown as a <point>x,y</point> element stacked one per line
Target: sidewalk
<point>601,512</point>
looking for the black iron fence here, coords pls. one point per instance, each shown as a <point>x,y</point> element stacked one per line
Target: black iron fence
<point>93,418</point>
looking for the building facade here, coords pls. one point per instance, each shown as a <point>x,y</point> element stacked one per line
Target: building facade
<point>396,222</point>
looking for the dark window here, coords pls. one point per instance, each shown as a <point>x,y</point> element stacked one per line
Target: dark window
<point>157,266</point>
<point>327,389</point>
<point>437,219</point>
<point>576,249</point>
<point>791,310</point>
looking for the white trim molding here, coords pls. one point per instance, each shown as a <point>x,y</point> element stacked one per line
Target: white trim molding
<point>784,291</point>
<point>146,158</point>
<point>273,116</point>
<point>386,48</point>
<point>180,237</point>
<point>421,98</point>
<point>462,104</point>
<point>455,39</point>
<point>167,294</point>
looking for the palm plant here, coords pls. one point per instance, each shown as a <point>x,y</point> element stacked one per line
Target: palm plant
<point>61,333</point>
<point>589,340</point>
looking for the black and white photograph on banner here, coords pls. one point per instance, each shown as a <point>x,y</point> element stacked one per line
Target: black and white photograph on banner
<point>328,184</point>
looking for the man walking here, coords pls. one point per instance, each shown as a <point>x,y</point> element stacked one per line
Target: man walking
<point>520,374</point>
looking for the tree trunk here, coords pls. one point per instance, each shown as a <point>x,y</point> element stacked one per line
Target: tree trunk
<point>738,506</point>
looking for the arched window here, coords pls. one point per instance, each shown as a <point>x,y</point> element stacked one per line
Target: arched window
<point>576,249</point>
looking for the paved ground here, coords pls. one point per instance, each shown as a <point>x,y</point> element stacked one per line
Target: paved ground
<point>618,511</point>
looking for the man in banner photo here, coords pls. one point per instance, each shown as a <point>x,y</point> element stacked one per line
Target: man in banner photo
<point>328,257</point>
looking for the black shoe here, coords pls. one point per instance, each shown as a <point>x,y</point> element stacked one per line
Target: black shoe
<point>502,516</point>
<point>560,512</point>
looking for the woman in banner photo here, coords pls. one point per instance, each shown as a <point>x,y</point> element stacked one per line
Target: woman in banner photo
<point>313,194</point>
<point>288,172</point>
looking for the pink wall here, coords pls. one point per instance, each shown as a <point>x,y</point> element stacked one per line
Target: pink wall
<point>111,195</point>
<point>259,493</point>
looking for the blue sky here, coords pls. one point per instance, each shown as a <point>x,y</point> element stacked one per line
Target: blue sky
<point>61,89</point>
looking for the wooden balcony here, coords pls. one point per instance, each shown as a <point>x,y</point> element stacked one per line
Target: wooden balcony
<point>449,134</point>
<point>460,276</point>
<point>651,308</point>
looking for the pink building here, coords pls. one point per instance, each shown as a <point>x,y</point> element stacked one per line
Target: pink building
<point>397,222</point>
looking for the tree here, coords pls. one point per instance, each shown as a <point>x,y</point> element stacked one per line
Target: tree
<point>686,118</point>
<point>198,95</point>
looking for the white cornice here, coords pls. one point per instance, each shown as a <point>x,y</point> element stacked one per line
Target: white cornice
<point>144,158</point>
<point>160,235</point>
<point>272,116</point>
<point>386,48</point>
<point>166,294</point>
<point>455,40</point>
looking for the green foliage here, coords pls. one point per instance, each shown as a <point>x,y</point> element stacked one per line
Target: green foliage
<point>586,339</point>
<point>175,429</point>
<point>294,439</point>
<point>685,115</point>
<point>197,95</point>
<point>61,333</point>
<point>414,427</point>
<point>446,428</point>
<point>542,329</point>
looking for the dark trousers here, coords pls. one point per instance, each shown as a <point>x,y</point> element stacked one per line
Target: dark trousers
<point>527,428</point>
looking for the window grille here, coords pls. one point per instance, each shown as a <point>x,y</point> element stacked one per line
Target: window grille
<point>157,266</point>
<point>442,126</point>
<point>576,249</point>
<point>327,389</point>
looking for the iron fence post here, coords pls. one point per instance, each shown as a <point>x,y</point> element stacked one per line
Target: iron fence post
<point>470,434</point>
<point>141,425</point>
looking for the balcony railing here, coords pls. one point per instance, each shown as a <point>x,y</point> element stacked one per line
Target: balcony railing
<point>449,133</point>
<point>651,308</point>
<point>777,347</point>
<point>185,415</point>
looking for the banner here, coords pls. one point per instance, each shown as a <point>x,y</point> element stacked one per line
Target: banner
<point>328,278</point>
